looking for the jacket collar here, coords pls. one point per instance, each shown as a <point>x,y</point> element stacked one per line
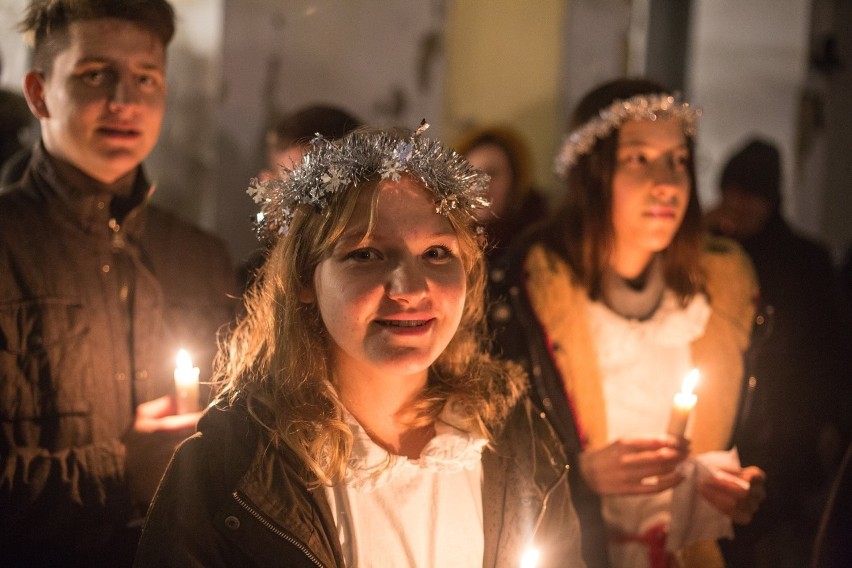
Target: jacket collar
<point>271,481</point>
<point>88,203</point>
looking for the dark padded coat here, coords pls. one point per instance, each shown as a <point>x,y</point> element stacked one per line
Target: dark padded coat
<point>97,294</point>
<point>228,499</point>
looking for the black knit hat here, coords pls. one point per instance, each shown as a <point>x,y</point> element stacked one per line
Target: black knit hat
<point>755,169</point>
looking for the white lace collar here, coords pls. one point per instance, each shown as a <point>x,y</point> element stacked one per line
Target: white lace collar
<point>371,466</point>
<point>620,339</point>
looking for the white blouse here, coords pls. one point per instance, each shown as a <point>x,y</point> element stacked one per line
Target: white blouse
<point>643,364</point>
<point>399,512</point>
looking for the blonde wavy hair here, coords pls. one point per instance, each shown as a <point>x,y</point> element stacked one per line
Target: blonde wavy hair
<point>277,360</point>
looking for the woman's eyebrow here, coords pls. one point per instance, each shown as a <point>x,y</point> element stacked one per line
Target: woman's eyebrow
<point>636,142</point>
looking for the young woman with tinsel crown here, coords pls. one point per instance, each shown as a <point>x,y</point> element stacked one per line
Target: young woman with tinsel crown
<point>361,420</point>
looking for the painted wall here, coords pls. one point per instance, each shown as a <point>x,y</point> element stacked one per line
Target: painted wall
<point>14,53</point>
<point>382,61</point>
<point>185,162</point>
<point>747,68</point>
<point>503,66</point>
<point>823,194</point>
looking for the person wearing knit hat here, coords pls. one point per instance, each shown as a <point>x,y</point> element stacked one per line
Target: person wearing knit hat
<point>800,365</point>
<point>751,190</point>
<point>755,169</point>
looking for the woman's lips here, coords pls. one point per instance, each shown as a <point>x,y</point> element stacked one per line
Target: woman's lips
<point>661,212</point>
<point>406,326</point>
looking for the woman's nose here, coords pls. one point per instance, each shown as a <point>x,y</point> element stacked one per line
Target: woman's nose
<point>667,177</point>
<point>407,282</point>
<point>666,171</point>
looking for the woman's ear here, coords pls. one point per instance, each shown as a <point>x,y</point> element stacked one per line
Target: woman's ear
<point>307,295</point>
<point>34,92</point>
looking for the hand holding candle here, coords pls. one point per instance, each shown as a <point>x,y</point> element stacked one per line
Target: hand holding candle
<point>682,405</point>
<point>186,384</point>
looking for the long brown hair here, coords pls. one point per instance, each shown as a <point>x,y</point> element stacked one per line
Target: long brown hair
<point>581,230</point>
<point>278,358</point>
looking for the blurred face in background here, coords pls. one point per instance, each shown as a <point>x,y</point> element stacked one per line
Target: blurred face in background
<point>281,157</point>
<point>741,214</point>
<point>492,159</point>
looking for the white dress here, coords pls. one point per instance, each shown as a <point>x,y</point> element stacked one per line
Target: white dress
<point>643,364</point>
<point>397,512</point>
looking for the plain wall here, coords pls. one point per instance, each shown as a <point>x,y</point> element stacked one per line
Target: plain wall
<point>503,67</point>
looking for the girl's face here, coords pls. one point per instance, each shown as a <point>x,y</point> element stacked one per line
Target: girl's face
<point>492,159</point>
<point>392,299</point>
<point>650,187</point>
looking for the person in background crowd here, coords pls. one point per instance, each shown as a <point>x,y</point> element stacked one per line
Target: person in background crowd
<point>361,421</point>
<point>802,366</point>
<point>287,139</point>
<point>515,203</point>
<point>609,305</point>
<point>99,289</point>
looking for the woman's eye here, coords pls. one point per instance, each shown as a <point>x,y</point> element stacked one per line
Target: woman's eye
<point>362,255</point>
<point>634,159</point>
<point>438,253</point>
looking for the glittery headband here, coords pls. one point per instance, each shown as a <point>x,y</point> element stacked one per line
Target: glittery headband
<point>332,166</point>
<point>641,107</point>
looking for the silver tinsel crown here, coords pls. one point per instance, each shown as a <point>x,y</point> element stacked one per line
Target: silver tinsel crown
<point>641,107</point>
<point>332,166</point>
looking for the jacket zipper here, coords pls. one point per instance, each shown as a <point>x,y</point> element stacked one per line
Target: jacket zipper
<point>546,498</point>
<point>275,530</point>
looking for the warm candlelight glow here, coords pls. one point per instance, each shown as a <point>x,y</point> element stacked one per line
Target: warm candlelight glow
<point>186,383</point>
<point>530,558</point>
<point>690,382</point>
<point>682,405</point>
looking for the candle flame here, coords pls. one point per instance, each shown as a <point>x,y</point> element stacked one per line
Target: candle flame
<point>184,361</point>
<point>530,558</point>
<point>690,381</point>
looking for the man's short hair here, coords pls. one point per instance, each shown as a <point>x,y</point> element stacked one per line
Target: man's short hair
<point>301,126</point>
<point>46,22</point>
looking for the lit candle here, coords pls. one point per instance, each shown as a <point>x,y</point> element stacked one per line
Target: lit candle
<point>186,384</point>
<point>530,558</point>
<point>682,405</point>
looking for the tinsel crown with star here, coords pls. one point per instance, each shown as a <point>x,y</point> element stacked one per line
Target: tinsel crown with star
<point>332,166</point>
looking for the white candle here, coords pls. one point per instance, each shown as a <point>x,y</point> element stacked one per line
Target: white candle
<point>186,384</point>
<point>682,405</point>
<point>530,558</point>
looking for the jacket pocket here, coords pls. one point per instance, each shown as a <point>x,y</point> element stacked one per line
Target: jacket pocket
<point>45,372</point>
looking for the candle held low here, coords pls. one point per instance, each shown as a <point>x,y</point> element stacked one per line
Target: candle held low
<point>530,558</point>
<point>186,384</point>
<point>682,405</point>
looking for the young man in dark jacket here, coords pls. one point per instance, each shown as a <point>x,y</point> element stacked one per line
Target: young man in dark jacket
<point>98,291</point>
